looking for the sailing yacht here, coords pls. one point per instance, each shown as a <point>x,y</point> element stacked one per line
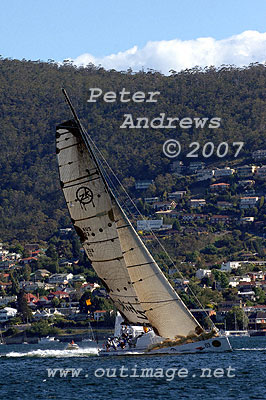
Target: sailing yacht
<point>160,322</point>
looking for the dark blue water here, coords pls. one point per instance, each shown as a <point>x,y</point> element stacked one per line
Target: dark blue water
<point>237,375</point>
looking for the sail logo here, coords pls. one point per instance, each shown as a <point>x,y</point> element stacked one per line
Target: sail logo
<point>130,308</point>
<point>84,196</point>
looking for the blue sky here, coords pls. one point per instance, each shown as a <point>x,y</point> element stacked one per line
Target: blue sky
<point>60,29</point>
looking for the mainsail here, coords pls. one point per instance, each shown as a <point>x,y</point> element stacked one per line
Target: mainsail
<point>133,279</point>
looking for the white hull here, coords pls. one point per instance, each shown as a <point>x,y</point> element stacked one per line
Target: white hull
<point>219,344</point>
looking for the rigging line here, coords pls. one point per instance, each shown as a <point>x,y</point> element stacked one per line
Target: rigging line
<point>150,230</point>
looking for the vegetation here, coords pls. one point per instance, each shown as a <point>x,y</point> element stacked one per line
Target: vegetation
<point>31,202</point>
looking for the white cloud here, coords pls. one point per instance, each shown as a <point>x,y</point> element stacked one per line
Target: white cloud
<point>240,50</point>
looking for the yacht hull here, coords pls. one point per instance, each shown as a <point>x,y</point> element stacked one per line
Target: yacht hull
<point>219,344</point>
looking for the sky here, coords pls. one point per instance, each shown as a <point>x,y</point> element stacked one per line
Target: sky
<point>162,35</point>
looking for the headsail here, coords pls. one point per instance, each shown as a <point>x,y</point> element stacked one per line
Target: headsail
<point>165,310</point>
<point>134,281</point>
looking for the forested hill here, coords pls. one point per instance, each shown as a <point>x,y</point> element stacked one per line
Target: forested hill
<point>31,104</point>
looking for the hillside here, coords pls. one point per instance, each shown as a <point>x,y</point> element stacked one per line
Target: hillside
<point>31,104</point>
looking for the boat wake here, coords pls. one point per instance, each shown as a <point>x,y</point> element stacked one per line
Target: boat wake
<point>253,349</point>
<point>81,352</point>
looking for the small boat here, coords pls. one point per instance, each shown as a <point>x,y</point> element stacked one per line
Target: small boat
<point>72,346</point>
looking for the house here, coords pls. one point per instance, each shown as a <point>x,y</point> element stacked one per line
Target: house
<point>29,286</point>
<point>65,231</point>
<point>246,183</point>
<point>176,195</point>
<point>194,217</point>
<point>41,274</point>
<point>218,173</point>
<point>222,219</point>
<point>46,313</point>
<point>195,166</point>
<point>43,301</point>
<point>197,202</point>
<point>65,264</point>
<point>246,220</point>
<point>261,172</point>
<point>202,273</point>
<point>204,174</point>
<point>164,205</point>
<point>27,260</point>
<point>230,265</point>
<point>31,299</point>
<point>7,299</point>
<point>259,154</point>
<point>234,281</point>
<point>143,185</point>
<point>248,202</point>
<point>59,294</point>
<point>219,187</point>
<point>246,171</point>
<point>151,200</point>
<point>181,284</point>
<point>224,204</point>
<point>148,224</point>
<point>99,314</point>
<point>257,320</point>
<point>254,276</point>
<point>7,313</point>
<point>247,295</point>
<point>177,168</point>
<point>78,278</point>
<point>90,286</point>
<point>60,279</point>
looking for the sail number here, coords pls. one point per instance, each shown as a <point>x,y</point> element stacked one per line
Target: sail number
<point>172,148</point>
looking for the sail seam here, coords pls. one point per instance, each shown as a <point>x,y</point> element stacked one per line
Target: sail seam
<point>124,226</point>
<point>72,145</point>
<point>82,177</point>
<point>112,259</point>
<point>139,265</point>
<point>102,241</point>
<point>79,183</point>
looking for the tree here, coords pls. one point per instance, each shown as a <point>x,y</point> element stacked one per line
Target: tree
<point>260,295</point>
<point>236,319</point>
<point>23,308</point>
<point>15,285</point>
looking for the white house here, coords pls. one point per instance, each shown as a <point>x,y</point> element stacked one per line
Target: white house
<point>248,202</point>
<point>218,173</point>
<point>228,266</point>
<point>246,170</point>
<point>202,273</point>
<point>6,313</point>
<point>148,224</point>
<point>197,202</point>
<point>60,279</point>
